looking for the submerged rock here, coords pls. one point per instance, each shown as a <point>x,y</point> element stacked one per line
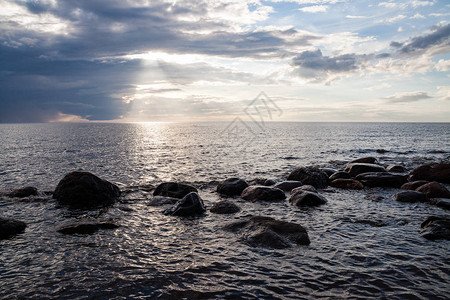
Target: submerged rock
<point>382,179</point>
<point>23,192</point>
<point>289,185</point>
<point>365,160</point>
<point>85,190</point>
<point>305,198</point>
<point>86,227</point>
<point>10,227</point>
<point>396,169</point>
<point>439,172</point>
<point>262,193</point>
<point>410,196</point>
<point>441,202</point>
<point>232,187</point>
<point>354,169</point>
<point>436,228</point>
<point>310,176</point>
<point>434,190</point>
<point>351,184</point>
<point>161,200</point>
<point>190,205</point>
<point>340,175</point>
<point>224,207</point>
<point>258,231</point>
<point>413,185</point>
<point>307,188</point>
<point>174,190</point>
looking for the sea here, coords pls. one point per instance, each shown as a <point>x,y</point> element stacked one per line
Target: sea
<point>364,244</point>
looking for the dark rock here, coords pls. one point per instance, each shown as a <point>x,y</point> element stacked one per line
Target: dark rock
<point>85,190</point>
<point>347,184</point>
<point>328,171</point>
<point>10,227</point>
<point>225,207</point>
<point>269,182</point>
<point>305,198</point>
<point>439,172</point>
<point>287,186</point>
<point>441,202</point>
<point>355,169</point>
<point>268,232</point>
<point>434,228</point>
<point>396,169</point>
<point>307,188</point>
<point>23,192</point>
<point>340,175</point>
<point>262,193</point>
<point>381,151</point>
<point>382,179</point>
<point>232,187</point>
<point>310,176</point>
<point>161,200</point>
<point>86,228</point>
<point>190,205</point>
<point>174,190</point>
<point>410,196</point>
<point>365,160</point>
<point>257,181</point>
<point>434,190</point>
<point>413,185</point>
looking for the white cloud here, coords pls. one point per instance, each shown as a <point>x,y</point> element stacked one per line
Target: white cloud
<point>355,17</point>
<point>380,86</point>
<point>400,29</point>
<point>418,16</point>
<point>443,92</point>
<point>417,3</point>
<point>315,8</point>
<point>443,65</point>
<point>407,97</point>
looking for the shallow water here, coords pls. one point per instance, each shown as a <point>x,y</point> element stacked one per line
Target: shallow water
<point>360,248</point>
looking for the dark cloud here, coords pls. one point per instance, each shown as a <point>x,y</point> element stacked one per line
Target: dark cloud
<point>439,36</point>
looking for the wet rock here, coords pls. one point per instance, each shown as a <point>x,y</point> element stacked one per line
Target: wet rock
<point>310,176</point>
<point>434,228</point>
<point>86,227</point>
<point>161,200</point>
<point>328,171</point>
<point>262,193</point>
<point>289,185</point>
<point>232,187</point>
<point>410,196</point>
<point>441,202</point>
<point>174,190</point>
<point>381,151</point>
<point>10,227</point>
<point>257,181</point>
<point>340,175</point>
<point>85,190</point>
<point>434,190</point>
<point>225,207</point>
<point>365,160</point>
<point>307,188</point>
<point>190,205</point>
<point>350,184</point>
<point>413,185</point>
<point>258,231</point>
<point>382,179</point>
<point>355,169</point>
<point>269,182</point>
<point>439,172</point>
<point>305,198</point>
<point>23,192</point>
<point>396,169</point>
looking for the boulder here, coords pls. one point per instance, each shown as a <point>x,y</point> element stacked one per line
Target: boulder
<point>232,187</point>
<point>269,182</point>
<point>262,193</point>
<point>23,192</point>
<point>413,185</point>
<point>355,169</point>
<point>365,160</point>
<point>224,207</point>
<point>441,202</point>
<point>190,205</point>
<point>340,175</point>
<point>410,196</point>
<point>305,198</point>
<point>434,228</point>
<point>258,231</point>
<point>328,171</point>
<point>396,169</point>
<point>86,227</point>
<point>350,184</point>
<point>85,190</point>
<point>310,176</point>
<point>287,186</point>
<point>382,179</point>
<point>439,172</point>
<point>174,190</point>
<point>161,200</point>
<point>10,227</point>
<point>434,190</point>
<point>307,188</point>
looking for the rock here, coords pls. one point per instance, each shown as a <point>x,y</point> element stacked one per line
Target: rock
<point>365,160</point>
<point>347,184</point>
<point>190,205</point>
<point>396,169</point>
<point>85,190</point>
<point>161,200</point>
<point>340,175</point>
<point>310,176</point>
<point>434,190</point>
<point>439,172</point>
<point>413,185</point>
<point>307,188</point>
<point>174,190</point>
<point>257,181</point>
<point>382,179</point>
<point>434,228</point>
<point>441,202</point>
<point>410,196</point>
<point>305,198</point>
<point>287,186</point>
<point>262,193</point>
<point>381,151</point>
<point>225,207</point>
<point>86,228</point>
<point>232,187</point>
<point>260,231</point>
<point>10,227</point>
<point>23,192</point>
<point>269,182</point>
<point>328,171</point>
<point>355,169</point>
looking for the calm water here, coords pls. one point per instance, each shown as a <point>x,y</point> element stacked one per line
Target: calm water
<point>359,247</point>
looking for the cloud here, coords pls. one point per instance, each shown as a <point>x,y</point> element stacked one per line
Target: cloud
<point>443,93</point>
<point>440,36</point>
<point>355,17</point>
<point>443,65</point>
<point>407,97</point>
<point>314,8</point>
<point>416,3</point>
<point>418,16</point>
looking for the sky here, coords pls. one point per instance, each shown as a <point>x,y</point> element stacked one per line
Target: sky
<point>207,60</point>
